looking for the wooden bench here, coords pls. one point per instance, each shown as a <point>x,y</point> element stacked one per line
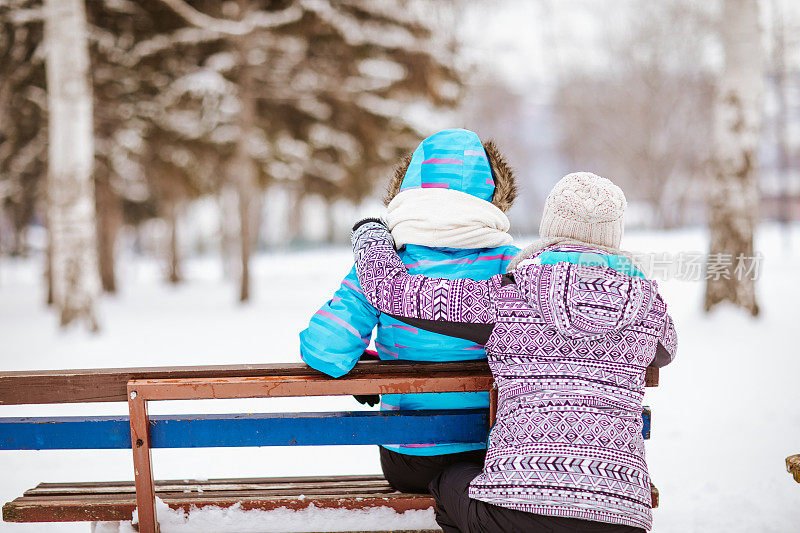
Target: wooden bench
<point>115,501</point>
<point>110,501</point>
<point>793,466</point>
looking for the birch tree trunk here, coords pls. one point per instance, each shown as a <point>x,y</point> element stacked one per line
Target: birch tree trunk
<point>782,122</point>
<point>71,215</point>
<point>733,197</point>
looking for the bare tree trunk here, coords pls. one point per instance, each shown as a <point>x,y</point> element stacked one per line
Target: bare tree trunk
<point>48,270</point>
<point>174,268</point>
<point>733,196</point>
<point>19,247</point>
<point>71,156</point>
<point>245,229</point>
<point>229,230</point>
<point>109,220</point>
<point>245,172</point>
<point>257,210</point>
<point>331,236</point>
<point>294,216</point>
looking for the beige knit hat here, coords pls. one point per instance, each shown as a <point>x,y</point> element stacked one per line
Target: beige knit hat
<point>585,207</point>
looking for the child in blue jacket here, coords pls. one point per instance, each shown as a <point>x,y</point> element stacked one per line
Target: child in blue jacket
<point>446,209</point>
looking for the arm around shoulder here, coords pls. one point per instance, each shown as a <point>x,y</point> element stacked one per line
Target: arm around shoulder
<point>388,286</point>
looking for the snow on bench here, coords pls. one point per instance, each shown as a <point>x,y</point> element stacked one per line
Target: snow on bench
<point>265,504</point>
<point>116,501</point>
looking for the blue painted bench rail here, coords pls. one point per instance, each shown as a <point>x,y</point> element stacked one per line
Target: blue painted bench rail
<point>267,429</point>
<point>237,430</point>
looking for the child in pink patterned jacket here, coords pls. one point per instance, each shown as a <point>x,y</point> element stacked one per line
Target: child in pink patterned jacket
<point>569,332</point>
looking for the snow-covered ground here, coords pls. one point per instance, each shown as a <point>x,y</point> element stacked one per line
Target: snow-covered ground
<point>726,415</point>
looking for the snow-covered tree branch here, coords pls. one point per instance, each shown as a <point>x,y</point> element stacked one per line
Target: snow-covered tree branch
<point>255,20</point>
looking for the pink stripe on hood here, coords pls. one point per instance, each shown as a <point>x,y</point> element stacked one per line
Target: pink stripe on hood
<point>434,161</point>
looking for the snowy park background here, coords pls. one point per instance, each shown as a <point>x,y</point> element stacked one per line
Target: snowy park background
<point>230,146</point>
<point>725,414</point>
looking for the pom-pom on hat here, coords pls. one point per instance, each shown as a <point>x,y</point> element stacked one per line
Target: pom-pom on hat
<point>585,207</point>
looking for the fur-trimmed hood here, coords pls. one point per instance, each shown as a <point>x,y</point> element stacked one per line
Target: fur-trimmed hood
<point>454,148</point>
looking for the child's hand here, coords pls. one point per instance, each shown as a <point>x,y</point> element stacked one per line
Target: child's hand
<point>368,399</point>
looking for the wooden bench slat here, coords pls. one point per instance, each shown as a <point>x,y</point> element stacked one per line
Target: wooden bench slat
<point>109,384</point>
<point>259,429</point>
<point>232,495</point>
<point>281,386</point>
<point>191,489</point>
<point>120,507</point>
<point>82,506</point>
<point>227,487</point>
<point>288,479</point>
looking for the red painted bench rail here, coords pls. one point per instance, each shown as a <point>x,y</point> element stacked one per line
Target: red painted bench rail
<point>109,384</point>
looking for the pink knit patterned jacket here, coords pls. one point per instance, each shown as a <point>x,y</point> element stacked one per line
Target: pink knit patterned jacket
<point>568,346</point>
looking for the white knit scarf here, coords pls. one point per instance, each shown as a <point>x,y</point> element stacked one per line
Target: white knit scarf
<point>444,218</point>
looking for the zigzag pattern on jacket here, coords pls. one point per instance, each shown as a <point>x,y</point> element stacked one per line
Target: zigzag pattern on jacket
<point>568,350</point>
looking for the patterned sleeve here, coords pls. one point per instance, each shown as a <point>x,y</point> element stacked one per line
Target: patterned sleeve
<point>669,338</point>
<point>390,288</point>
<point>667,344</point>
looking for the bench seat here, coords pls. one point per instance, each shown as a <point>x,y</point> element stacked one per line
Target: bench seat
<point>112,501</point>
<point>115,501</point>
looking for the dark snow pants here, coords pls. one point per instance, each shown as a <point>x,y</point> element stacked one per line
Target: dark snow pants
<point>413,473</point>
<point>456,512</point>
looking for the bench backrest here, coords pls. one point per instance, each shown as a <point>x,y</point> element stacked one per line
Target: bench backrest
<point>361,427</point>
<point>109,384</point>
<point>262,429</point>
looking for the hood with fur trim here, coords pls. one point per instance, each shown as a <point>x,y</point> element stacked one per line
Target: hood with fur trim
<point>449,150</point>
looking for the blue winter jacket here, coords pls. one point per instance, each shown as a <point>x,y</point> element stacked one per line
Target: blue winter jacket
<point>341,330</point>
